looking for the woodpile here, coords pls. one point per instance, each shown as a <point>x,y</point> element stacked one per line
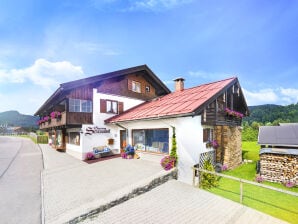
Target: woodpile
<point>279,167</point>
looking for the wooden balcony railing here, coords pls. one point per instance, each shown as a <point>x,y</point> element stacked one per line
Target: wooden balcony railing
<point>68,118</point>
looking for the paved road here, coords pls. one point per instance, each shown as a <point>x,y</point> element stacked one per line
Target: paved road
<point>20,167</point>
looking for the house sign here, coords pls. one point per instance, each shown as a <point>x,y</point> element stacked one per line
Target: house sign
<point>96,130</point>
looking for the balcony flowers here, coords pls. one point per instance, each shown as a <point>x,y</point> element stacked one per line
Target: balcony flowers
<point>234,113</point>
<point>55,114</point>
<point>168,162</point>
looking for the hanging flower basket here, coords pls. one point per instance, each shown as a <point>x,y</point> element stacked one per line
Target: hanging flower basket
<point>168,162</point>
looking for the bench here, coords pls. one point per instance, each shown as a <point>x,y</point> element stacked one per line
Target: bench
<point>102,151</point>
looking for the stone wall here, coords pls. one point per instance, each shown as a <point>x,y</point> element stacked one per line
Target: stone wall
<point>229,152</point>
<point>279,167</point>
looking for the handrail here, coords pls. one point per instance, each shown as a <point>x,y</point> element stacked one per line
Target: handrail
<point>243,181</point>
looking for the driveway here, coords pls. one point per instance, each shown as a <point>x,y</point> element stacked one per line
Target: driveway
<point>20,167</point>
<point>73,187</point>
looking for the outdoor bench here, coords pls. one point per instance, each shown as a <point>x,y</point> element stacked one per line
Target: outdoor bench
<point>102,151</point>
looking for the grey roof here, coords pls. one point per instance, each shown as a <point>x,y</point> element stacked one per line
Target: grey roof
<point>286,135</point>
<point>279,151</point>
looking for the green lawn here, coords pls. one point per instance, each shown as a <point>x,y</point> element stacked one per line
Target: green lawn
<point>274,203</point>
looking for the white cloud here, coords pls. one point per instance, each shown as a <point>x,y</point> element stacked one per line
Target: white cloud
<point>43,73</point>
<point>264,96</point>
<point>290,94</point>
<point>280,96</point>
<point>90,47</point>
<point>209,75</point>
<point>157,5</point>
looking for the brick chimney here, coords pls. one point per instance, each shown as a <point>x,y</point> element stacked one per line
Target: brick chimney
<point>179,84</point>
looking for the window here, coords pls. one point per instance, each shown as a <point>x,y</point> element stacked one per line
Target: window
<point>147,89</point>
<point>207,134</point>
<point>136,87</point>
<point>74,105</point>
<point>111,106</point>
<point>77,105</point>
<point>151,140</point>
<point>74,138</point>
<point>86,106</point>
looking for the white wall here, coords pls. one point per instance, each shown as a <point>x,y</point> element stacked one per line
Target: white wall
<point>98,118</point>
<point>87,142</point>
<point>189,138</point>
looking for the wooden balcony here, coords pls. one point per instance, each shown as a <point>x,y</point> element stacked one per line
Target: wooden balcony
<point>68,119</point>
<point>221,118</point>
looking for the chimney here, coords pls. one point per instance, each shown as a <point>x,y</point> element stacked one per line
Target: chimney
<point>179,84</point>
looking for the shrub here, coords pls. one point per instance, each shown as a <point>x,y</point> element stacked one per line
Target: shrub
<point>208,180</point>
<point>173,153</point>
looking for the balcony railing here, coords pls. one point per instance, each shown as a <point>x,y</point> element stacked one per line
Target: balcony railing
<point>68,118</point>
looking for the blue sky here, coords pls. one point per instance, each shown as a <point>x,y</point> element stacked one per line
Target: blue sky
<point>45,43</point>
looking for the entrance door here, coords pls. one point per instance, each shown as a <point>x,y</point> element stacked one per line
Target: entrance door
<point>122,139</point>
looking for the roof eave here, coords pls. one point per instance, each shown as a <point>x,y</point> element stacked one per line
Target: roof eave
<point>153,118</point>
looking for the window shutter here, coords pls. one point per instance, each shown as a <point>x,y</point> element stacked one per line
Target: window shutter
<point>205,134</point>
<point>129,86</point>
<point>120,107</point>
<point>103,106</point>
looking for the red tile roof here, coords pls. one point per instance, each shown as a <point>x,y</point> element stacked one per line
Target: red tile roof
<point>184,102</point>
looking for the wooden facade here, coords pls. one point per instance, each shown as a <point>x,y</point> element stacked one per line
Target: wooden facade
<point>215,112</point>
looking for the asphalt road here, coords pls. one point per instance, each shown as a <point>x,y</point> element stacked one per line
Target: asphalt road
<point>20,167</point>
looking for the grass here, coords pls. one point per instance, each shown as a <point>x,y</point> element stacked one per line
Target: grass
<point>274,203</point>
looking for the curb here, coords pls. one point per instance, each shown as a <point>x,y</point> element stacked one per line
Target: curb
<point>42,188</point>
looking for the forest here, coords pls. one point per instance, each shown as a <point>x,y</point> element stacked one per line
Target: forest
<point>267,115</point>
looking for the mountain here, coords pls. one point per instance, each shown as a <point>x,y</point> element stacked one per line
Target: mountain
<point>270,113</point>
<point>14,118</point>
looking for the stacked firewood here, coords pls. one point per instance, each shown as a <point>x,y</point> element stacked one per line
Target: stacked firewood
<point>279,167</point>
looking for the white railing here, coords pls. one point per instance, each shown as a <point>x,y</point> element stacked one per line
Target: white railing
<point>241,181</point>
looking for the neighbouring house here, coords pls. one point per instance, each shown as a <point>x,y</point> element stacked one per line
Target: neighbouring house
<point>279,153</point>
<point>74,115</point>
<point>133,106</point>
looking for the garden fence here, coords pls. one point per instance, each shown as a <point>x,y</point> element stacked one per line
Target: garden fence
<point>268,199</point>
